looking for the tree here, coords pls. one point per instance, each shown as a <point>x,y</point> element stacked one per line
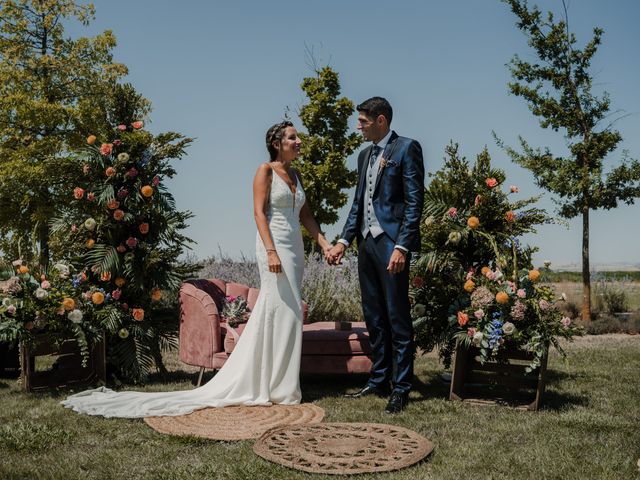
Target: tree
<point>558,90</point>
<point>326,146</point>
<point>54,91</point>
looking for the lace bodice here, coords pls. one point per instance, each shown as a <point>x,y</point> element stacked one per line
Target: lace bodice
<point>283,204</point>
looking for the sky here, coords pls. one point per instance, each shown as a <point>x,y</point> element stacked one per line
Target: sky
<point>222,72</point>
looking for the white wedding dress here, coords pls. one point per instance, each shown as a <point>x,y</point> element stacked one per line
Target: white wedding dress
<point>264,367</point>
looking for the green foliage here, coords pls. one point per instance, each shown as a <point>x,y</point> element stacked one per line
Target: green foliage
<point>124,222</point>
<point>326,146</point>
<point>468,223</point>
<point>558,90</point>
<point>54,91</point>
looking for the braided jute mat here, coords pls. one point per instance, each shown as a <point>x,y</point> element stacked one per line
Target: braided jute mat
<point>343,448</point>
<point>236,423</point>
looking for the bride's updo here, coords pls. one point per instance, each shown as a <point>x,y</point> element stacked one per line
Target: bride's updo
<point>275,134</point>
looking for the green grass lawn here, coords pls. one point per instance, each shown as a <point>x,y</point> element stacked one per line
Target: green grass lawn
<point>588,428</point>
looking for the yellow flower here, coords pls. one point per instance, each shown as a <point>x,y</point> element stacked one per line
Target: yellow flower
<point>502,297</point>
<point>469,286</point>
<point>97,298</point>
<point>68,303</point>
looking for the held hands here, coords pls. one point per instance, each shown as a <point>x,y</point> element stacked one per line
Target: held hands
<point>335,253</point>
<point>397,261</point>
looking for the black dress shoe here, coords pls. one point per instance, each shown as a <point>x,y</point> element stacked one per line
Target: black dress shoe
<point>368,390</point>
<point>397,402</point>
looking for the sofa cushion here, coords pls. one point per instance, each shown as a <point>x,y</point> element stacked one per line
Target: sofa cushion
<point>321,338</point>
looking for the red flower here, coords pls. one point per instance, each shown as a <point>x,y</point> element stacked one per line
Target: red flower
<point>91,196</point>
<point>118,214</point>
<point>132,242</point>
<point>144,228</point>
<point>113,204</point>
<point>417,281</point>
<point>78,193</point>
<point>491,182</point>
<point>463,318</point>
<point>106,148</point>
<point>121,248</point>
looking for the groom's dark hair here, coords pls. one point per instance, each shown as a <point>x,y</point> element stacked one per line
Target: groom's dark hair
<point>375,106</point>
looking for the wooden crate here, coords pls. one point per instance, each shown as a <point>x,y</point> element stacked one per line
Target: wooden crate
<point>67,369</point>
<point>503,382</point>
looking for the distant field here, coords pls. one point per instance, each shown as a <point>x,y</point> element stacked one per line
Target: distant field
<point>627,276</point>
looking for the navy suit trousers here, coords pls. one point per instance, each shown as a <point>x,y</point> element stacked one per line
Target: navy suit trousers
<point>385,304</point>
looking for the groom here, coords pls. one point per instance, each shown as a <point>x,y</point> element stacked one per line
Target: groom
<point>385,218</point>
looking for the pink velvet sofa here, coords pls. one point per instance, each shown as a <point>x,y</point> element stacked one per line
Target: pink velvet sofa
<point>206,340</point>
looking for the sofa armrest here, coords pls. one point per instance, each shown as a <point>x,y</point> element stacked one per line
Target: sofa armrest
<point>229,330</point>
<point>200,335</point>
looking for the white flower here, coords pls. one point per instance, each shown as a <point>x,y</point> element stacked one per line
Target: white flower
<point>75,316</point>
<point>429,220</point>
<point>563,296</point>
<point>17,263</point>
<point>123,157</point>
<point>455,237</point>
<point>508,328</point>
<point>11,309</point>
<point>41,294</point>
<point>90,224</point>
<point>547,263</point>
<point>497,275</point>
<point>62,269</point>
<point>418,310</point>
<point>6,302</point>
<point>477,338</point>
<point>123,333</point>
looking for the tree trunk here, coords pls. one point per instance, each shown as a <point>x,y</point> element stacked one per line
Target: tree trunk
<point>586,274</point>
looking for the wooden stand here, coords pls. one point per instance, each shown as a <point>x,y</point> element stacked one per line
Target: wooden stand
<point>497,383</point>
<point>67,369</point>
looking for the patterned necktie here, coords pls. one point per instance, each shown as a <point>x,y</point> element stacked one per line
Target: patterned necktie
<point>375,151</point>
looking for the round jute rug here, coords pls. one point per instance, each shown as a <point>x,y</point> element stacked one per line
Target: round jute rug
<point>343,448</point>
<point>236,423</point>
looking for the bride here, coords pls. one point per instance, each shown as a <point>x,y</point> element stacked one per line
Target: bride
<point>264,367</point>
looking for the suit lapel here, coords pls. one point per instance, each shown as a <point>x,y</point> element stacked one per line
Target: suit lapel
<point>388,151</point>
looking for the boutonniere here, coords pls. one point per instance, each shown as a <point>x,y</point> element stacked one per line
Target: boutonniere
<point>383,162</point>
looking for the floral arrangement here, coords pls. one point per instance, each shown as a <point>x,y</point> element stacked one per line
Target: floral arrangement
<point>494,311</point>
<point>56,302</point>
<point>124,223</point>
<point>235,310</point>
<point>474,281</point>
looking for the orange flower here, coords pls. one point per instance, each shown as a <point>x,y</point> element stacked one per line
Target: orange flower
<point>105,276</point>
<point>138,314</point>
<point>463,318</point>
<point>97,298</point>
<point>502,297</point>
<point>120,281</point>
<point>534,275</point>
<point>147,190</point>
<point>91,139</point>
<point>469,286</point>
<point>118,214</point>
<point>144,228</point>
<point>156,294</point>
<point>68,303</point>
<point>473,223</point>
<point>110,171</point>
<point>78,193</point>
<point>113,204</point>
<point>509,216</point>
<point>23,269</point>
<point>90,243</point>
<point>106,148</point>
<point>485,270</point>
<point>137,125</point>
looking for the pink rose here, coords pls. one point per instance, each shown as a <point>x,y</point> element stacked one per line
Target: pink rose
<point>137,125</point>
<point>544,305</point>
<point>118,214</point>
<point>116,294</point>
<point>86,168</point>
<point>117,143</point>
<point>132,242</point>
<point>566,321</point>
<point>514,189</point>
<point>106,148</point>
<point>491,182</point>
<point>471,332</point>
<point>453,212</point>
<point>45,284</point>
<point>478,313</point>
<point>122,128</point>
<point>521,293</point>
<point>156,181</point>
<point>78,193</point>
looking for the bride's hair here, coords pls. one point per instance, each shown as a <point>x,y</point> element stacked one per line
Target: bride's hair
<point>275,133</point>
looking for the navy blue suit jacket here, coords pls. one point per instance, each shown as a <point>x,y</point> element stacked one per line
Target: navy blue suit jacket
<point>398,194</point>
